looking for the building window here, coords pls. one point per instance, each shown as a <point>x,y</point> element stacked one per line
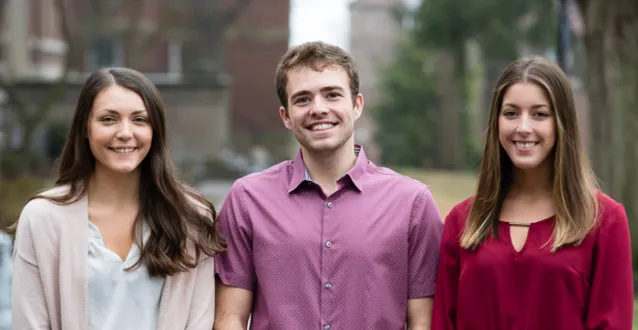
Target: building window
<point>104,52</point>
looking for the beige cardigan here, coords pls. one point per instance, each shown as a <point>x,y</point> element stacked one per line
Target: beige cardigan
<point>50,275</point>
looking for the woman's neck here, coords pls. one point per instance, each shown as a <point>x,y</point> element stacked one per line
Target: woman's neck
<point>114,189</point>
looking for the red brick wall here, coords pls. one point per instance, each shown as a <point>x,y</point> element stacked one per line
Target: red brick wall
<point>255,44</point>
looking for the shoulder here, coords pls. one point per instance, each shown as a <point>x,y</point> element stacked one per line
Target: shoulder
<point>609,210</point>
<point>606,203</point>
<point>41,212</point>
<point>263,181</point>
<point>54,192</point>
<point>274,173</point>
<point>41,205</point>
<point>389,178</point>
<point>459,212</point>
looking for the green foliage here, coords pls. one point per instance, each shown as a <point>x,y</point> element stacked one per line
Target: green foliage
<point>14,163</point>
<point>500,26</point>
<point>406,114</point>
<point>14,194</point>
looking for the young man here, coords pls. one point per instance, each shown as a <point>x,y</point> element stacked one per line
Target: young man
<point>327,241</point>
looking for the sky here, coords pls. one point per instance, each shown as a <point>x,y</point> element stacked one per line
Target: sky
<point>325,20</point>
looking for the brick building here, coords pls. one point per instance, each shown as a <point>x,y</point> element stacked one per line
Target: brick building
<point>255,44</point>
<point>200,120</point>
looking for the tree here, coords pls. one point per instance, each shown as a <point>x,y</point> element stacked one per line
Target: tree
<point>443,30</point>
<point>611,43</point>
<point>406,115</point>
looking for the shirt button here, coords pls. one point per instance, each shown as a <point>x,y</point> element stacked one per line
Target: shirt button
<point>326,327</point>
<point>328,244</point>
<point>328,285</point>
<point>330,205</point>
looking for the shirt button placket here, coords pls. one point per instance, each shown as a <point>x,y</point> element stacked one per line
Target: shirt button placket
<point>326,303</point>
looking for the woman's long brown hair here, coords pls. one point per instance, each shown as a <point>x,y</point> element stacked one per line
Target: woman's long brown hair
<point>574,192</point>
<point>176,214</point>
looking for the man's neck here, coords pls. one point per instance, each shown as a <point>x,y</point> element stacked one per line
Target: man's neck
<point>326,169</point>
<point>116,190</point>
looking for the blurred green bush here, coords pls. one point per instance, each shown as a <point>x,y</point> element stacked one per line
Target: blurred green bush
<point>14,194</point>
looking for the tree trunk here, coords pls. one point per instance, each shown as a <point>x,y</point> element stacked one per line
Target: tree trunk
<point>626,44</point>
<point>601,113</point>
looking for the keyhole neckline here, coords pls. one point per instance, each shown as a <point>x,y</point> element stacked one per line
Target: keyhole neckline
<point>528,224</point>
<point>531,227</point>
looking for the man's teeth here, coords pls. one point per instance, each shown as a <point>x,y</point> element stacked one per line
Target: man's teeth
<point>525,145</point>
<point>123,150</point>
<point>321,127</point>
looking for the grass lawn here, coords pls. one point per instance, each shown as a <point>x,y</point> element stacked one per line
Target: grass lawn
<point>449,188</point>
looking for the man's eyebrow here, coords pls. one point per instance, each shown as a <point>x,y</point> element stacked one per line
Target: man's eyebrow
<point>323,89</point>
<point>332,88</point>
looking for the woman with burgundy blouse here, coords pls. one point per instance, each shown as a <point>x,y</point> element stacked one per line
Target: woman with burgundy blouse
<point>538,246</point>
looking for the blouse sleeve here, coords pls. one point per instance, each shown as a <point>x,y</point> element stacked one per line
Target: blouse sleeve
<point>444,311</point>
<point>202,308</point>
<point>611,299</point>
<point>29,310</point>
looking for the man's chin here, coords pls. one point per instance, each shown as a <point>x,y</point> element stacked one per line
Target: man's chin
<point>322,146</point>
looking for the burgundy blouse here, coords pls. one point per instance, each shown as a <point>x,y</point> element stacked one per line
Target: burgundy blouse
<point>495,287</point>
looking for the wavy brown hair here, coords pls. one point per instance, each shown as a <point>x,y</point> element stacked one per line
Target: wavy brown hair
<point>177,215</point>
<point>574,184</point>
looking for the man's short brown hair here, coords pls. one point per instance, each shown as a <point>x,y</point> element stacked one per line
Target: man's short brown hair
<point>316,55</point>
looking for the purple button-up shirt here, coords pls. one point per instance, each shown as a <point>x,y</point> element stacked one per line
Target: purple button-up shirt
<point>348,261</point>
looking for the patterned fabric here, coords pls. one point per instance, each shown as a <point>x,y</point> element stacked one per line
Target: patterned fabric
<point>348,261</point>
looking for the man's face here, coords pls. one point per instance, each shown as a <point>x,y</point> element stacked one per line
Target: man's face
<point>321,112</point>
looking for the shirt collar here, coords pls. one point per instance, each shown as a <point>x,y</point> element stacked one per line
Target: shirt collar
<point>301,175</point>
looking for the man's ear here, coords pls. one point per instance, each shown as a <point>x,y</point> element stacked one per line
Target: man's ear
<point>283,114</point>
<point>358,106</point>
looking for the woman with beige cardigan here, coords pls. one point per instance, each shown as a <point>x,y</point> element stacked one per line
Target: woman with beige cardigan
<point>119,242</point>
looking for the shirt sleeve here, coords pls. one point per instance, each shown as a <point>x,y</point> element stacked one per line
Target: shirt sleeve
<point>611,300</point>
<point>444,311</point>
<point>28,304</point>
<point>202,309</point>
<point>426,227</point>
<point>235,265</point>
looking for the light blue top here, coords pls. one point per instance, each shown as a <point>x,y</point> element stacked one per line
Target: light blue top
<point>6,244</point>
<point>119,299</point>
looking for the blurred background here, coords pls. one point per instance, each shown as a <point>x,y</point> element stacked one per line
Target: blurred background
<point>427,67</point>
